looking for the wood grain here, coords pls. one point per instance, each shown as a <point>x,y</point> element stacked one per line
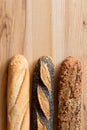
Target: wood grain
<point>43,27</point>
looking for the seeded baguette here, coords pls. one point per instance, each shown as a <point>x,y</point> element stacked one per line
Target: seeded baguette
<point>18,112</point>
<point>43,95</point>
<point>69,95</point>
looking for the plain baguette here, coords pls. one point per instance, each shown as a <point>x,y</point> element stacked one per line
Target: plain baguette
<point>43,95</point>
<point>18,112</point>
<point>69,95</point>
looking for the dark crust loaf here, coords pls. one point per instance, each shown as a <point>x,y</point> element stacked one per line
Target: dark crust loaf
<point>43,95</point>
<point>69,95</point>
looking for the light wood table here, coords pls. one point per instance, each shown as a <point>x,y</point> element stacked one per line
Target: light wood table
<point>57,28</point>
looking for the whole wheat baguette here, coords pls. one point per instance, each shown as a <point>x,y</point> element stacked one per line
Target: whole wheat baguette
<point>18,112</point>
<point>69,95</point>
<point>43,95</point>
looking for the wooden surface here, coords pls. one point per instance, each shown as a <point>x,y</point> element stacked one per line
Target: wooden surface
<point>42,27</point>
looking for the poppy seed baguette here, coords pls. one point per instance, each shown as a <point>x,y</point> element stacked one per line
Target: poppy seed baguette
<point>43,95</point>
<point>18,112</point>
<point>69,95</point>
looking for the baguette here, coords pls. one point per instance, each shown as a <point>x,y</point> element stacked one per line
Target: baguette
<point>18,112</point>
<point>43,95</point>
<point>69,95</point>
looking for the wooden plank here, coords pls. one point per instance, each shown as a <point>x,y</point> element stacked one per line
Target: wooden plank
<point>43,27</point>
<point>24,28</point>
<point>12,34</point>
<point>70,37</point>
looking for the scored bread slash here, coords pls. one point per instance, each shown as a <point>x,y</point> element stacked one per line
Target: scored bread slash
<point>18,112</point>
<point>43,95</point>
<point>69,95</point>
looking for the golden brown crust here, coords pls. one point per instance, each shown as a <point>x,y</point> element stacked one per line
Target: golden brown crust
<point>69,96</point>
<point>43,102</point>
<point>41,125</point>
<point>45,75</point>
<point>18,93</point>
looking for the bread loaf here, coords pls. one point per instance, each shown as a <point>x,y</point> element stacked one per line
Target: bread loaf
<point>69,95</point>
<point>43,95</point>
<point>18,112</point>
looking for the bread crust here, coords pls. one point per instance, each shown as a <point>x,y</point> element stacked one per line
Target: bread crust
<point>18,112</point>
<point>70,95</point>
<point>43,95</point>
